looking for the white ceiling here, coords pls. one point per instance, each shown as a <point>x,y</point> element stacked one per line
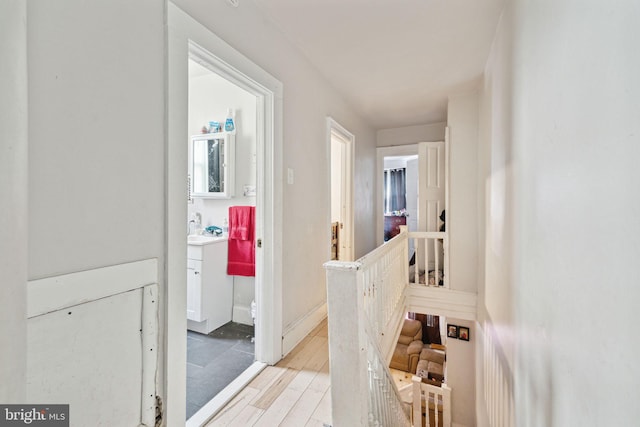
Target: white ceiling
<point>395,61</point>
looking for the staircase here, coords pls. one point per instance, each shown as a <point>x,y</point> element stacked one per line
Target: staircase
<point>367,300</point>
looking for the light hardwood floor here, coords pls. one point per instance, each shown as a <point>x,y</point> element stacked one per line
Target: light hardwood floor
<point>296,392</point>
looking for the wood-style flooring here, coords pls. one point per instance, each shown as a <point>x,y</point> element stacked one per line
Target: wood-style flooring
<point>296,392</point>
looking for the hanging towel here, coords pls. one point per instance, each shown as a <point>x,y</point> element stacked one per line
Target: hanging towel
<point>242,250</point>
<point>241,222</point>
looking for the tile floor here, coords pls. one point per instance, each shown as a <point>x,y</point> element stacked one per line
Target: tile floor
<point>214,360</point>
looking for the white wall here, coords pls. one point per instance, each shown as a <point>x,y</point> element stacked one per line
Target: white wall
<point>411,134</point>
<point>561,140</point>
<point>13,193</point>
<point>96,120</point>
<point>462,218</point>
<point>461,374</point>
<point>209,97</point>
<point>397,162</point>
<point>308,100</point>
<point>96,136</point>
<point>495,346</point>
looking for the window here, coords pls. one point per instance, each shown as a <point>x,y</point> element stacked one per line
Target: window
<point>395,189</point>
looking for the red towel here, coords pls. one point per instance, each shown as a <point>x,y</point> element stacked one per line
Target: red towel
<point>241,219</point>
<point>242,250</point>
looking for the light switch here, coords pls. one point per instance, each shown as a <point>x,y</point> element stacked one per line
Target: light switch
<point>289,176</point>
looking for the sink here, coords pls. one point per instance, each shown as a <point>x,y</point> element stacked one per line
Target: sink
<point>198,239</point>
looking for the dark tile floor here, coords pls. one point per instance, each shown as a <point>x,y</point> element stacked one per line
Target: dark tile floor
<point>214,360</point>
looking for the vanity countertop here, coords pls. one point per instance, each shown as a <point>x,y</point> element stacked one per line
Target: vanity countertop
<point>200,240</point>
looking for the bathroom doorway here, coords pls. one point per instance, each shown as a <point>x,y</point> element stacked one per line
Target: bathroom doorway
<point>220,307</point>
<point>189,39</point>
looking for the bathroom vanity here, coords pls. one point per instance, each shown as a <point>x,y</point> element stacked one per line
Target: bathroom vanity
<point>209,288</point>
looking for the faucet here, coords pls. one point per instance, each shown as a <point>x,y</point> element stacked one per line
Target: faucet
<point>195,224</point>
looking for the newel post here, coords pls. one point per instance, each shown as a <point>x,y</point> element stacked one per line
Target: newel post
<point>347,345</point>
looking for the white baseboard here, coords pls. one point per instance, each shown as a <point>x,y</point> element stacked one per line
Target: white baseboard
<point>300,329</point>
<point>242,314</point>
<point>199,327</point>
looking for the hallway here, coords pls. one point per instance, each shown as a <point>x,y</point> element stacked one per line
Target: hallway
<point>295,392</point>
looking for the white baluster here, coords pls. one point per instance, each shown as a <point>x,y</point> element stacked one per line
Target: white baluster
<point>416,269</point>
<point>436,271</point>
<point>426,262</point>
<point>435,408</point>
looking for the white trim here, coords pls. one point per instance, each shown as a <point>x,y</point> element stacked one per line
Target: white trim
<point>242,314</point>
<point>175,304</point>
<point>447,152</point>
<point>61,292</point>
<point>209,410</point>
<point>15,194</point>
<point>335,128</point>
<point>149,354</point>
<point>381,153</point>
<point>58,292</point>
<point>300,329</point>
<point>183,29</point>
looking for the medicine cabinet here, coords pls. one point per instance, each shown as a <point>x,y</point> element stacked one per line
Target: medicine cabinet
<point>212,165</point>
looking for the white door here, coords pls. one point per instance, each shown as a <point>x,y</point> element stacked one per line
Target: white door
<point>432,186</point>
<point>412,197</point>
<point>412,194</point>
<point>432,201</point>
<point>194,290</point>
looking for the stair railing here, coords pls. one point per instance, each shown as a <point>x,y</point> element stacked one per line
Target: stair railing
<point>366,302</point>
<point>432,401</point>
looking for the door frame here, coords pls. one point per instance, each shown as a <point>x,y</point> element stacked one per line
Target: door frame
<point>381,153</point>
<point>185,36</point>
<point>336,129</point>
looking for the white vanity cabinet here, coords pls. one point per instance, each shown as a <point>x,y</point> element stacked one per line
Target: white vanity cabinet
<point>209,288</point>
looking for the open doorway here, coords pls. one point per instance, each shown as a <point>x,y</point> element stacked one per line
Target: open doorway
<point>412,188</point>
<point>341,153</point>
<point>398,179</point>
<point>222,120</point>
<point>188,38</point>
<point>400,194</point>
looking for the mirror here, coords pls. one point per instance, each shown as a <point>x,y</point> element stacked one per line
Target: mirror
<point>212,165</point>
